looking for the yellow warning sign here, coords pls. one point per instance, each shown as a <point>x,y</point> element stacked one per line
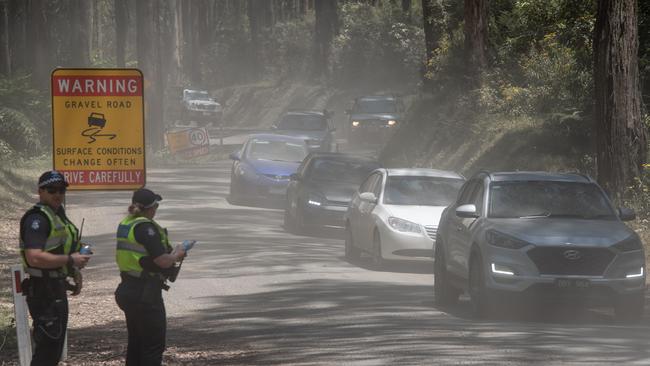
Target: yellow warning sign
<point>189,143</point>
<point>98,127</point>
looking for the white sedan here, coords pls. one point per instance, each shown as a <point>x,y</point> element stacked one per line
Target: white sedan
<point>395,213</point>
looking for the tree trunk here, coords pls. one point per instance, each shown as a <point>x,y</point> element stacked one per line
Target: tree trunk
<point>325,28</point>
<point>80,37</point>
<point>406,5</point>
<point>621,137</point>
<point>121,9</point>
<point>430,10</point>
<point>476,37</point>
<point>5,61</point>
<point>38,38</point>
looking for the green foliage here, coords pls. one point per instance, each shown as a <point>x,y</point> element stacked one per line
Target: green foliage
<point>376,41</point>
<point>18,131</point>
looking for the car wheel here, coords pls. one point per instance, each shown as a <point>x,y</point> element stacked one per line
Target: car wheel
<point>351,253</point>
<point>443,292</point>
<point>479,296</point>
<point>234,197</point>
<point>289,224</point>
<point>630,308</point>
<point>377,259</point>
<point>299,221</point>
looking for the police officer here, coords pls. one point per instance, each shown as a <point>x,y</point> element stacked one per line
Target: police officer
<point>49,248</point>
<point>146,260</point>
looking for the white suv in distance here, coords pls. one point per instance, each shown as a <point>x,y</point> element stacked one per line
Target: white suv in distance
<point>199,107</point>
<point>541,236</point>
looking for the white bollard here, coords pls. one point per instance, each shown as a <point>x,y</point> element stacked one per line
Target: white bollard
<point>20,313</point>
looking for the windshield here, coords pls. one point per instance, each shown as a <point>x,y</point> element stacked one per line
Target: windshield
<point>347,171</point>
<point>424,191</point>
<point>532,199</point>
<point>375,106</point>
<point>198,96</point>
<point>276,150</point>
<point>305,122</point>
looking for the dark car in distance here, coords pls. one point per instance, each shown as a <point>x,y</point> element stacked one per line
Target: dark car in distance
<point>321,189</point>
<point>315,127</point>
<point>261,169</point>
<point>373,119</point>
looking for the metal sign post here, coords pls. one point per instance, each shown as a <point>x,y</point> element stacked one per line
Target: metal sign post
<point>20,314</point>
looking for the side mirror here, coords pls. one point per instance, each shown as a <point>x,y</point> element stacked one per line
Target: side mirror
<point>294,176</point>
<point>467,211</point>
<point>234,156</point>
<point>368,197</point>
<point>626,214</point>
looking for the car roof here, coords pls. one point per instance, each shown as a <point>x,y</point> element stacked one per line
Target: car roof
<point>539,176</point>
<point>307,112</point>
<point>195,90</point>
<point>341,156</point>
<point>376,97</point>
<point>275,137</point>
<point>422,172</point>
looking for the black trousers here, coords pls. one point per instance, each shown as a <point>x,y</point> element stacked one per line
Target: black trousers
<point>48,306</point>
<point>146,320</point>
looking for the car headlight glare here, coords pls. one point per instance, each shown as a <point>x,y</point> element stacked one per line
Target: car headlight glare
<point>404,225</point>
<point>502,270</point>
<point>629,245</point>
<point>502,240</point>
<point>635,274</point>
<point>355,123</point>
<point>392,122</point>
<point>315,200</point>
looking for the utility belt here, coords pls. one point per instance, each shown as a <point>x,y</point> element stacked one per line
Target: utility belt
<point>50,287</point>
<point>45,273</point>
<point>144,276</point>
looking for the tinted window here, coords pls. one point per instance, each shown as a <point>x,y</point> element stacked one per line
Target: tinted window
<point>276,150</point>
<point>548,199</point>
<point>375,106</point>
<point>369,184</point>
<point>348,171</point>
<point>425,191</point>
<point>303,122</point>
<point>198,95</point>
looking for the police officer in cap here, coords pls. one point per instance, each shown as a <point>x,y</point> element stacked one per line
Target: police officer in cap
<point>49,249</point>
<point>146,260</point>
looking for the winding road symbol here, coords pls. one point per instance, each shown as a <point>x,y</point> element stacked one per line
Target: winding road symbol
<point>96,121</point>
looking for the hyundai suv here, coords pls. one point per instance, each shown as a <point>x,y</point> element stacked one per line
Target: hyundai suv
<point>541,236</point>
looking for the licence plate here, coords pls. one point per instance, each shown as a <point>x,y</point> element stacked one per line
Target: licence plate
<point>277,190</point>
<point>572,283</point>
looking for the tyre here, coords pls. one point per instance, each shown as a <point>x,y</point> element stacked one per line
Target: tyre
<point>479,296</point>
<point>351,252</point>
<point>630,308</point>
<point>377,259</point>
<point>234,197</point>
<point>444,293</point>
<point>289,224</point>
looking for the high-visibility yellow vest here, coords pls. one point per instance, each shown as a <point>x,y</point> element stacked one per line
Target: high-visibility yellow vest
<point>129,251</point>
<point>63,234</point>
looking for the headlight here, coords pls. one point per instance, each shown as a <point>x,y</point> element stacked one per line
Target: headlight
<point>315,200</point>
<point>404,225</point>
<point>502,270</point>
<point>629,245</point>
<point>392,122</point>
<point>355,123</point>
<point>503,241</point>
<point>635,274</point>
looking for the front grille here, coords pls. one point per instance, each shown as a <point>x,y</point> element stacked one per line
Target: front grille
<point>432,231</point>
<point>571,260</point>
<point>338,203</point>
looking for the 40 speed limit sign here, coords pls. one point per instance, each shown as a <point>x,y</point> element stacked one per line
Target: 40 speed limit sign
<point>189,143</point>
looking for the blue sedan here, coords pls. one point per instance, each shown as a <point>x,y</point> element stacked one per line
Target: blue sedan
<point>261,169</point>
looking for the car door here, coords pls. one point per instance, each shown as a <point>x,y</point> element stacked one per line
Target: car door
<point>354,210</point>
<point>455,227</point>
<point>294,187</point>
<point>465,234</point>
<point>366,223</point>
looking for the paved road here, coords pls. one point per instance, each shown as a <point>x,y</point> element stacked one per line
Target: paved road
<point>275,298</point>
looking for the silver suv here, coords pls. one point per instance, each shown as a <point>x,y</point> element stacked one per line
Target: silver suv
<point>540,236</point>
